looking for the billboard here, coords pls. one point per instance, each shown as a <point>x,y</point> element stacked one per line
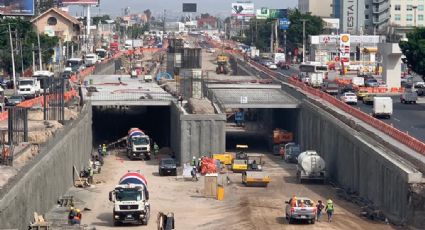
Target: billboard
<point>350,16</point>
<point>244,9</point>
<point>330,23</point>
<point>17,7</point>
<point>189,7</point>
<point>262,13</point>
<point>344,47</point>
<point>80,2</point>
<point>278,13</point>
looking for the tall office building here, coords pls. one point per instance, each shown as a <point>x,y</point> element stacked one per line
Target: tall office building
<point>351,14</point>
<point>321,8</point>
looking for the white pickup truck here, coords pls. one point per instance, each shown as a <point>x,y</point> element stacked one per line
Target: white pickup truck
<point>301,208</point>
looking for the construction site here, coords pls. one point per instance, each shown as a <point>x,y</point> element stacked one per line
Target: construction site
<point>128,131</point>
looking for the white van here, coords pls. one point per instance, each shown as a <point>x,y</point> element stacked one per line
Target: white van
<point>91,59</point>
<point>42,76</point>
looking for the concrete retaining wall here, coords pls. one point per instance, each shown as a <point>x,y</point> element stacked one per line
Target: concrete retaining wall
<point>196,134</point>
<point>37,187</point>
<point>357,163</point>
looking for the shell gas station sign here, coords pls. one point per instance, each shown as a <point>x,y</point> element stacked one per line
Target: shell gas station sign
<point>344,47</point>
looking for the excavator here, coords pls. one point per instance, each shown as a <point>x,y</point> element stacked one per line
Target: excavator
<point>222,61</point>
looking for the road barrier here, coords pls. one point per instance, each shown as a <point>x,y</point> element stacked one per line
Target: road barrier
<point>398,135</point>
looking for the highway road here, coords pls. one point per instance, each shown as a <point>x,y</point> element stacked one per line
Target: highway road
<point>406,117</point>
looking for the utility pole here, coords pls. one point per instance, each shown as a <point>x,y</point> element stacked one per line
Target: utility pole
<point>22,58</point>
<point>271,38</point>
<point>39,52</point>
<point>163,23</point>
<point>13,59</point>
<point>304,20</point>
<point>33,58</point>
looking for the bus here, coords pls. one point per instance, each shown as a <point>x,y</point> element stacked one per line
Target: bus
<point>75,64</point>
<point>313,73</point>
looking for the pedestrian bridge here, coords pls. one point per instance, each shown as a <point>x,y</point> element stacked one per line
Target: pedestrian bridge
<point>121,90</point>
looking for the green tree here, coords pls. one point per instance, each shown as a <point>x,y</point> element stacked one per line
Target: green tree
<point>414,50</point>
<point>23,36</point>
<point>313,26</point>
<point>100,19</point>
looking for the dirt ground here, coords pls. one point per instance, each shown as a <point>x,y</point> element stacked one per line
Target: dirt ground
<point>242,208</point>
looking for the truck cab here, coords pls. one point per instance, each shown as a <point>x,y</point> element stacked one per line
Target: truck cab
<point>131,204</point>
<point>29,87</point>
<point>139,147</point>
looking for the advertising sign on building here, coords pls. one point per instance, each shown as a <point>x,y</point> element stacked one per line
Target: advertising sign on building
<point>189,7</point>
<point>349,14</point>
<point>262,13</point>
<point>344,47</point>
<point>80,2</point>
<point>245,9</point>
<point>331,23</point>
<point>278,13</point>
<point>17,7</point>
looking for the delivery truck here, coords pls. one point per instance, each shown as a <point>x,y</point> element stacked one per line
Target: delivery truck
<point>382,107</point>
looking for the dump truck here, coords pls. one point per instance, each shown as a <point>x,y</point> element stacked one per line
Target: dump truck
<point>310,167</point>
<point>138,145</point>
<point>279,138</point>
<point>255,179</point>
<point>131,200</point>
<point>222,61</point>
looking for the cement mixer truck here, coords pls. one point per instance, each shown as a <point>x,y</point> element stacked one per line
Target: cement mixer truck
<point>311,167</point>
<point>131,200</point>
<point>138,145</point>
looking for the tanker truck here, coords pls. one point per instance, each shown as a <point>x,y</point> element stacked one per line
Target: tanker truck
<point>138,145</point>
<point>310,167</point>
<point>131,200</point>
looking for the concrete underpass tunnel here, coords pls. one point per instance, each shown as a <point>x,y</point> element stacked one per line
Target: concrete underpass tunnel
<point>112,123</point>
<point>259,125</point>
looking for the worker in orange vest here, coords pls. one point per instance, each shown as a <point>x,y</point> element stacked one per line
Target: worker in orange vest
<point>294,201</point>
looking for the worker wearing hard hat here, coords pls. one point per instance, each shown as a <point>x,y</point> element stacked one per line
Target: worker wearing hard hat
<point>329,209</point>
<point>104,150</point>
<point>77,218</point>
<point>72,213</point>
<point>193,162</point>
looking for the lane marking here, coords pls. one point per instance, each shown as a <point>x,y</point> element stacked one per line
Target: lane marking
<point>396,119</point>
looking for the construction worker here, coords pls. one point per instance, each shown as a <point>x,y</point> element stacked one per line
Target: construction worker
<point>77,217</point>
<point>90,179</point>
<point>329,209</point>
<point>99,150</point>
<point>193,162</point>
<point>104,150</point>
<point>72,213</point>
<point>155,149</point>
<point>319,208</point>
<point>294,201</point>
<point>282,152</point>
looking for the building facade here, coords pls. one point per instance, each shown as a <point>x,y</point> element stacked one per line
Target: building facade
<point>322,8</point>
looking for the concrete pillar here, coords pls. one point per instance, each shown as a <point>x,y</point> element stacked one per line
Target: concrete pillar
<point>391,63</point>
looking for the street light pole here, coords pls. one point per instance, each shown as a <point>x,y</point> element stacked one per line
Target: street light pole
<point>304,20</point>
<point>13,59</point>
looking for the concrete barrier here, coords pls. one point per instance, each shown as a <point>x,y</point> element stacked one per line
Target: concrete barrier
<point>196,134</point>
<point>37,187</point>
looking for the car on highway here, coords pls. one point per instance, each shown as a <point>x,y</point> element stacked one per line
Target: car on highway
<point>301,208</point>
<point>348,88</point>
<point>371,83</point>
<point>368,99</point>
<point>167,166</point>
<point>349,98</point>
<point>361,93</point>
<point>211,50</point>
<point>283,65</point>
<point>14,100</point>
<point>66,75</point>
<point>330,88</point>
<point>272,66</point>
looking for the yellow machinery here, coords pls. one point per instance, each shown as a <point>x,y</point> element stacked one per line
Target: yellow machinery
<point>241,151</point>
<point>255,161</point>
<point>239,165</point>
<point>222,61</point>
<point>255,179</point>
<point>224,158</point>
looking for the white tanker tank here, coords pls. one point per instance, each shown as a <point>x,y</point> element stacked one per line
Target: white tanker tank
<point>311,167</point>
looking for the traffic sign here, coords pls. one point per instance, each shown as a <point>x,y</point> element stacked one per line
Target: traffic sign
<point>284,23</point>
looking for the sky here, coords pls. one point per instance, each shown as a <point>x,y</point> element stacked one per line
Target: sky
<point>220,8</point>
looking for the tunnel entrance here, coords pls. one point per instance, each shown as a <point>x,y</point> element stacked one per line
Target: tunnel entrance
<point>257,130</point>
<point>111,123</point>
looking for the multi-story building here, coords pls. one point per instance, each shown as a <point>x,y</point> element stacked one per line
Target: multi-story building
<point>407,13</point>
<point>321,8</point>
<point>351,14</point>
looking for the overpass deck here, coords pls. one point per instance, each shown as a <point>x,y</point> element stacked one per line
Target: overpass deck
<point>121,90</point>
<point>254,96</point>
